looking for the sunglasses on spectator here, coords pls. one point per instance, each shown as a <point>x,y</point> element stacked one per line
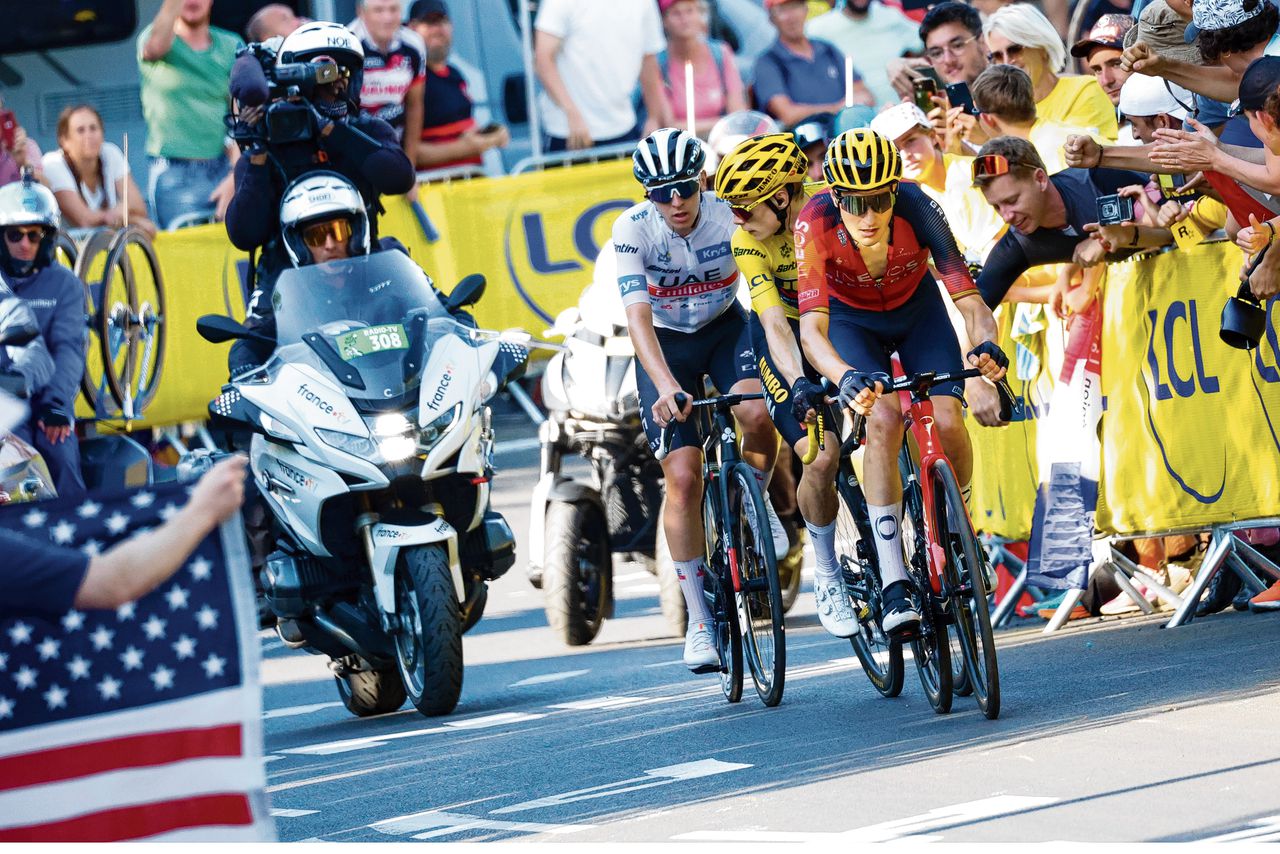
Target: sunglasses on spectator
<point>859,205</point>
<point>663,193</point>
<point>952,47</point>
<point>992,166</point>
<point>1004,57</point>
<point>317,234</point>
<point>16,233</point>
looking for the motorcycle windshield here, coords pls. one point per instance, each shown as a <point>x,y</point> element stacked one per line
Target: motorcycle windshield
<point>376,317</point>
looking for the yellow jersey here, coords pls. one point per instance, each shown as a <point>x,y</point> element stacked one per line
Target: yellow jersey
<point>769,266</point>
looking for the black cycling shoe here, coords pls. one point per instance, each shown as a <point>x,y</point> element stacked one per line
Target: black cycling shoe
<point>898,612</point>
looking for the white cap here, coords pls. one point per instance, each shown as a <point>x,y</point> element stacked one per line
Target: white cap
<point>899,119</point>
<point>1146,96</point>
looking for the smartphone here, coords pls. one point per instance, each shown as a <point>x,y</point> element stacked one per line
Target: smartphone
<point>490,128</point>
<point>1115,209</point>
<point>960,96</point>
<point>1174,186</point>
<point>924,90</point>
<point>8,128</point>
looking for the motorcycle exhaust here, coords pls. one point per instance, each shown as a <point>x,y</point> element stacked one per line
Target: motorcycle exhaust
<point>345,624</point>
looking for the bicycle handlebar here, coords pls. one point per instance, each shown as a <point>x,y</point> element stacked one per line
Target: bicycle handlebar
<point>724,401</point>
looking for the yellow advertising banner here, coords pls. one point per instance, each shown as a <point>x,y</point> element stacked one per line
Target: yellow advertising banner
<point>534,236</point>
<point>1191,427</point>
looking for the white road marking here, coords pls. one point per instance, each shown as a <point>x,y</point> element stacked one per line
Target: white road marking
<point>513,446</point>
<point>280,813</point>
<point>640,589</point>
<point>544,678</point>
<point>914,826</point>
<point>347,745</point>
<point>666,663</point>
<point>272,758</point>
<point>1261,830</point>
<point>642,575</point>
<point>600,703</point>
<point>664,776</point>
<point>291,711</point>
<point>438,823</point>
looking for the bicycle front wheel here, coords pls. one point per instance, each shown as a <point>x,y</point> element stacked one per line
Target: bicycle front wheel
<point>881,657</point>
<point>967,590</point>
<point>931,648</point>
<point>759,593</point>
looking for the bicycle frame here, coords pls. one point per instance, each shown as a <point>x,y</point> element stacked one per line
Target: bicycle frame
<point>720,453</point>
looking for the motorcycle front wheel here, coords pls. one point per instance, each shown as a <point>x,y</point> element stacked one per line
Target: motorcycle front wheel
<point>429,642</point>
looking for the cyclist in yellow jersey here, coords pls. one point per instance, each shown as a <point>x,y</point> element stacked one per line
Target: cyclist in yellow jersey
<point>762,179</point>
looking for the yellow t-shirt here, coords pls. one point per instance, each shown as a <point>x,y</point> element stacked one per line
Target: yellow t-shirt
<point>1079,100</point>
<point>974,223</point>
<point>1050,137</point>
<point>769,266</point>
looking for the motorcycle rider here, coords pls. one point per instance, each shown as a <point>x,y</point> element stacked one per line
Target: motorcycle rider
<point>362,149</point>
<point>29,218</point>
<point>30,361</point>
<point>762,179</point>
<point>679,285</point>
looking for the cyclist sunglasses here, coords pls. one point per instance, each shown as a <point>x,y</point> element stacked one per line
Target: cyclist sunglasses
<point>317,234</point>
<point>858,205</point>
<point>743,213</point>
<point>15,234</point>
<point>663,193</point>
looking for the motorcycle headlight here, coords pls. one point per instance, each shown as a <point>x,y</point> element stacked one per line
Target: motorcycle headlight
<point>396,448</point>
<point>391,424</point>
<point>357,446</point>
<point>434,432</point>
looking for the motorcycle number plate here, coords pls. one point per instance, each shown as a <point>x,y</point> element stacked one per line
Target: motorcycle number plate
<point>619,347</point>
<point>372,339</point>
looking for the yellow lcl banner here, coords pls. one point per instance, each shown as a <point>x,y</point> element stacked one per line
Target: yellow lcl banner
<point>1191,427</point>
<point>534,237</point>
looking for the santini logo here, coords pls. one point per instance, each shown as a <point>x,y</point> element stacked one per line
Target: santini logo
<point>626,249</point>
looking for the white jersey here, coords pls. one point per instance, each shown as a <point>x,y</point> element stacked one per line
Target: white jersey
<point>689,281</point>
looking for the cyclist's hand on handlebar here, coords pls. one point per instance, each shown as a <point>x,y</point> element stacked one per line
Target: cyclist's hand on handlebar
<point>990,359</point>
<point>806,397</point>
<point>984,402</point>
<point>667,409</point>
<point>859,391</point>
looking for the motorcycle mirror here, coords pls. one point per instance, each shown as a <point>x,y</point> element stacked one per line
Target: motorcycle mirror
<point>19,336</point>
<point>467,292</point>
<point>216,328</point>
<point>516,336</point>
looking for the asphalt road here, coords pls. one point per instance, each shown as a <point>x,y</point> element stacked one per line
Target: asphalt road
<point>1111,730</point>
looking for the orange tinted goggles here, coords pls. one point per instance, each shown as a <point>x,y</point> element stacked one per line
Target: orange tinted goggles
<point>317,234</point>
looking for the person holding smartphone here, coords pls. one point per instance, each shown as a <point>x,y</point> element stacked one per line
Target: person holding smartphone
<point>17,150</point>
<point>450,134</point>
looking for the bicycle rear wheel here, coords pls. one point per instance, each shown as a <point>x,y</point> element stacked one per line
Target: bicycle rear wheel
<point>880,656</point>
<point>967,590</point>
<point>931,647</point>
<point>760,597</point>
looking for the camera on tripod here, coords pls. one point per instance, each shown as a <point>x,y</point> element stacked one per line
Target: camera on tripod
<point>288,116</point>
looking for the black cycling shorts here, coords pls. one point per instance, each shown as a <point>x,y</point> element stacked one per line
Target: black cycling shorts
<point>777,392</point>
<point>919,331</point>
<point>721,350</point>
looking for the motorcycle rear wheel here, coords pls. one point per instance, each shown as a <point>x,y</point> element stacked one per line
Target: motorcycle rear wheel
<point>429,643</point>
<point>371,692</point>
<point>577,571</point>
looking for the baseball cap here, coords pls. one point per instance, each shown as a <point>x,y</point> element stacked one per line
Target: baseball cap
<point>900,119</point>
<point>1220,14</point>
<point>1109,31</point>
<point>1258,82</point>
<point>1143,95</point>
<point>769,4</point>
<point>1163,30</point>
<point>423,9</point>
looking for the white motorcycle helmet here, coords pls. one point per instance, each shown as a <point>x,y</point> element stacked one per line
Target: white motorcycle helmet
<point>733,129</point>
<point>325,39</point>
<point>318,196</point>
<point>27,202</point>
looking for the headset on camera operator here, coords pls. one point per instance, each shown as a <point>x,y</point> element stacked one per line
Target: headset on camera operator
<point>298,113</point>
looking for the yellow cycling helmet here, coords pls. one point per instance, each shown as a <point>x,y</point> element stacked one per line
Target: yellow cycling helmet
<point>758,167</point>
<point>859,160</point>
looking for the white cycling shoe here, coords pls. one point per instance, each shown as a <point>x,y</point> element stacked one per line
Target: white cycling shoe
<point>781,543</point>
<point>834,609</point>
<point>699,650</point>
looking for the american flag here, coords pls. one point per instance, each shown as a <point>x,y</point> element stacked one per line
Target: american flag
<point>138,723</point>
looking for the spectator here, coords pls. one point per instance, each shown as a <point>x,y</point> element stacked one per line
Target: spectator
<point>29,219</point>
<point>1103,53</point>
<point>798,76</point>
<point>953,42</point>
<point>717,85</point>
<point>1049,216</point>
<point>394,70</point>
<point>52,579</point>
<point>274,20</point>
<point>1020,35</point>
<point>872,32</point>
<point>449,133</point>
<point>184,65</point>
<point>17,151</point>
<point>1151,104</point>
<point>90,177</point>
<point>1003,95</point>
<point>1260,100</point>
<point>589,56</point>
<point>813,134</point>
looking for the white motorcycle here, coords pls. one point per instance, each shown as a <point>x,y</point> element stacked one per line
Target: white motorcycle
<point>373,449</point>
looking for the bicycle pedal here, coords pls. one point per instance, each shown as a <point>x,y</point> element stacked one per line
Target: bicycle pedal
<point>905,634</point>
<point>706,668</point>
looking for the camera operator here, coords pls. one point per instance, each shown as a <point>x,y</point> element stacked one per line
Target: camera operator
<point>299,113</point>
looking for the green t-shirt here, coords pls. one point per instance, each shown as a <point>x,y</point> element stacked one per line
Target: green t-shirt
<point>184,97</point>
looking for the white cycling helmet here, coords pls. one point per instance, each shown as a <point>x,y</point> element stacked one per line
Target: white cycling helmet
<point>26,202</point>
<point>667,155</point>
<point>318,196</point>
<point>326,39</point>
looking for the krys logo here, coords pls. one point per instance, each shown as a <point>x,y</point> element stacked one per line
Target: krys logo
<point>551,237</point>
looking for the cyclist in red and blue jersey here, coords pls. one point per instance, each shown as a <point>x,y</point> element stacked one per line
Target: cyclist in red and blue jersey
<point>866,292</point>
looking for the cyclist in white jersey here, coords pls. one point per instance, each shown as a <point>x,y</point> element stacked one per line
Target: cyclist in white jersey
<point>679,285</point>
